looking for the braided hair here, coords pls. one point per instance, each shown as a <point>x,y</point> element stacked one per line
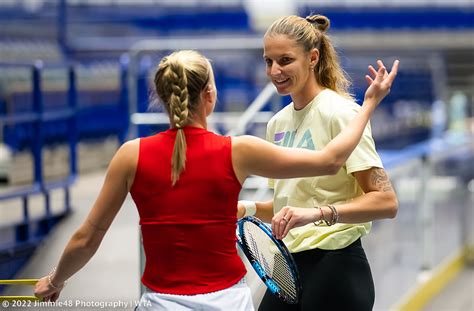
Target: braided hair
<point>179,81</point>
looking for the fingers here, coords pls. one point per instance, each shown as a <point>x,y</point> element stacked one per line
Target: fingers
<point>394,71</point>
<point>376,75</point>
<point>290,224</point>
<point>372,71</point>
<point>55,297</point>
<point>282,223</point>
<point>381,73</point>
<point>369,80</point>
<point>43,291</point>
<point>290,217</point>
<point>283,226</point>
<point>381,65</point>
<point>39,297</point>
<point>388,77</point>
<point>278,226</point>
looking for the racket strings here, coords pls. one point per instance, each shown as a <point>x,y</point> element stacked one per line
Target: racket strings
<point>274,263</point>
<point>283,277</point>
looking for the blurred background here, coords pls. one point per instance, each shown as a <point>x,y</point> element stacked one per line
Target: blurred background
<point>75,84</point>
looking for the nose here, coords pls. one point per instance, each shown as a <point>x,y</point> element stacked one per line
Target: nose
<point>274,69</point>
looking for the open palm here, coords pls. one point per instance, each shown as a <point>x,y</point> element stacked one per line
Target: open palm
<point>380,81</point>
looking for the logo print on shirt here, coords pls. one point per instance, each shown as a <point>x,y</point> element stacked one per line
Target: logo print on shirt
<point>278,138</point>
<point>287,139</point>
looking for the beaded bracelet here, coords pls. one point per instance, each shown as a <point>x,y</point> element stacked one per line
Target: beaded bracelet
<point>51,283</point>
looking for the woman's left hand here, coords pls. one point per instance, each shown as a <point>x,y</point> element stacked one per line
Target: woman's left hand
<point>380,82</point>
<point>45,291</point>
<point>240,210</point>
<point>290,217</point>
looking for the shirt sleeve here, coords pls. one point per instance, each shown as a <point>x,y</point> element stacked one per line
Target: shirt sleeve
<point>364,155</point>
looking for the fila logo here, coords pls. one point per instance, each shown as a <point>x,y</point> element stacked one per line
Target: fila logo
<point>287,139</point>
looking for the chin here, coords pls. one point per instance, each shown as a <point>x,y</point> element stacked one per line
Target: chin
<point>283,91</point>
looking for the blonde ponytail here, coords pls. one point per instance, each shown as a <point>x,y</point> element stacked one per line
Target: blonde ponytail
<point>179,80</point>
<point>328,70</point>
<point>178,159</point>
<point>179,115</point>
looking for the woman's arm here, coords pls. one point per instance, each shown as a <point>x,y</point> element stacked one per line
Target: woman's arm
<point>379,201</point>
<point>86,240</point>
<point>263,211</point>
<point>253,156</point>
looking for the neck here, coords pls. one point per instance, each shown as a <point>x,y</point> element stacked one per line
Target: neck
<point>198,119</point>
<point>305,96</point>
<point>198,124</point>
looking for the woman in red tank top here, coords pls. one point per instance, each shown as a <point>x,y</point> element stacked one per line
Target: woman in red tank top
<point>185,183</point>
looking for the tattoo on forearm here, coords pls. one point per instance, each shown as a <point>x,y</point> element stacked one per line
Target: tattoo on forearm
<point>380,180</point>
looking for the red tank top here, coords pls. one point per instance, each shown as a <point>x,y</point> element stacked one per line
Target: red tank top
<point>188,230</point>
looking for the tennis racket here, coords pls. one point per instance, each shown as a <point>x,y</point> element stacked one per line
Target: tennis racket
<point>30,282</point>
<point>270,258</point>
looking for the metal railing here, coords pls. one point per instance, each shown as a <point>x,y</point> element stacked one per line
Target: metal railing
<point>171,44</point>
<point>30,232</point>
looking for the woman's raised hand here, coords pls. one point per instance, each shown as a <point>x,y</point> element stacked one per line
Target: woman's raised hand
<point>379,81</point>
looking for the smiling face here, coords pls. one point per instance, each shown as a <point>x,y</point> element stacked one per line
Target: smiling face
<point>289,66</point>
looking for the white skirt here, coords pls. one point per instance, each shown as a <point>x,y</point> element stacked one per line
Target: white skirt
<point>236,298</point>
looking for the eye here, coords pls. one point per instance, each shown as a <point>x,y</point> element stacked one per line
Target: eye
<point>268,61</point>
<point>285,60</point>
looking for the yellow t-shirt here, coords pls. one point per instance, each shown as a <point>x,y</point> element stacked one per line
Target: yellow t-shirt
<point>312,128</point>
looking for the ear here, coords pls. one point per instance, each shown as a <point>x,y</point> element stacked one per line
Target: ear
<point>207,94</point>
<point>314,57</point>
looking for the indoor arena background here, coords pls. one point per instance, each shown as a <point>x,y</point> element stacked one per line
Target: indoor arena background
<point>75,84</point>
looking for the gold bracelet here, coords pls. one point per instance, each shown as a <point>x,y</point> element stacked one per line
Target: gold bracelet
<point>335,214</point>
<point>334,218</point>
<point>327,222</point>
<point>321,220</point>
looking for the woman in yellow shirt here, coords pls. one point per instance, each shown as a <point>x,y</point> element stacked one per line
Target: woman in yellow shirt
<point>327,214</point>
